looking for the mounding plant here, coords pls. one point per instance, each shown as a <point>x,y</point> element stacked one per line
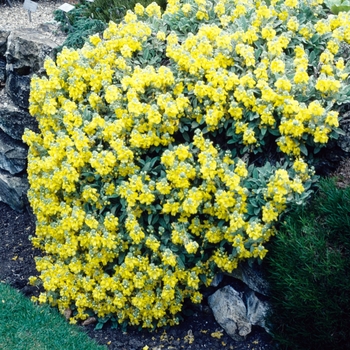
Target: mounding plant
<point>308,271</point>
<point>89,18</point>
<point>150,172</point>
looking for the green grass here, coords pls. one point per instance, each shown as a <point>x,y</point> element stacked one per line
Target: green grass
<point>26,326</point>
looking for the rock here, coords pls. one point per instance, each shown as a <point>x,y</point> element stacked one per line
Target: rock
<point>344,140</point>
<point>67,313</point>
<point>4,34</point>
<point>256,309</point>
<point>252,276</point>
<point>13,190</point>
<point>13,154</point>
<point>89,320</point>
<point>18,88</point>
<point>230,312</point>
<point>237,312</point>
<point>217,279</point>
<point>2,71</point>
<point>27,50</point>
<point>14,120</point>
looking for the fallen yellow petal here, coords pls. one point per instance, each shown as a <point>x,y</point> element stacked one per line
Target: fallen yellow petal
<point>217,334</point>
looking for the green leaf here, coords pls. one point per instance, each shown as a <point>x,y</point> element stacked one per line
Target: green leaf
<point>186,136</point>
<point>312,57</point>
<point>274,132</point>
<point>337,9</point>
<point>303,149</point>
<point>98,326</point>
<point>121,258</point>
<point>180,261</point>
<point>166,218</point>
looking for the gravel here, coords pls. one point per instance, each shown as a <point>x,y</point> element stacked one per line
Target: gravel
<point>42,19</point>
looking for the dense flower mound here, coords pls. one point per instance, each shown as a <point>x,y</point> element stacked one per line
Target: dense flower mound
<point>144,177</point>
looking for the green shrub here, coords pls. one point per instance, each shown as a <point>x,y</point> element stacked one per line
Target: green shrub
<point>308,269</point>
<point>78,26</point>
<point>115,10</point>
<point>89,18</point>
<point>136,178</point>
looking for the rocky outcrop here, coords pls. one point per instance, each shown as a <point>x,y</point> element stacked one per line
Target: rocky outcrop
<point>22,54</point>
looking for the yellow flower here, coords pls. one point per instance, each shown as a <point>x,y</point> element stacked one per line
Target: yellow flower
<point>277,66</point>
<point>283,84</point>
<point>291,3</point>
<point>139,9</point>
<point>161,36</point>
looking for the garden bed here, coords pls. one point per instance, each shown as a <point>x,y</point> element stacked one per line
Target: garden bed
<point>198,331</point>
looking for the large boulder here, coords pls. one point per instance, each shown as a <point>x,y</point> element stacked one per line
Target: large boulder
<point>237,312</point>
<point>13,154</point>
<point>18,88</point>
<point>25,56</point>
<point>13,190</point>
<point>14,120</point>
<point>4,34</point>
<point>27,50</point>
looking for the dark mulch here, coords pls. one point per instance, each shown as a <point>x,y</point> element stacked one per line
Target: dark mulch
<point>195,332</point>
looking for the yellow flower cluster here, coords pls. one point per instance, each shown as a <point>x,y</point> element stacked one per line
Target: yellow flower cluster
<point>137,203</point>
<point>273,89</point>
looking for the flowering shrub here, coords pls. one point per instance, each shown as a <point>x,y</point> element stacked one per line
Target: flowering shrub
<point>145,178</point>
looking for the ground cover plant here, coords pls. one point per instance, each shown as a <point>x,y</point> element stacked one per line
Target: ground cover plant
<point>24,326</point>
<point>308,269</point>
<point>153,167</point>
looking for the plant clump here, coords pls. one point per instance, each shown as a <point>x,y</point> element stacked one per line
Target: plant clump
<point>150,171</point>
<point>308,273</point>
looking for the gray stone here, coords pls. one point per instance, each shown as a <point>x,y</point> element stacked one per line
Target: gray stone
<point>230,312</point>
<point>18,88</point>
<point>14,120</point>
<point>13,190</point>
<point>256,309</point>
<point>2,71</point>
<point>3,41</point>
<point>252,276</point>
<point>343,141</point>
<point>13,154</point>
<point>27,50</point>
<point>217,279</point>
<point>237,312</point>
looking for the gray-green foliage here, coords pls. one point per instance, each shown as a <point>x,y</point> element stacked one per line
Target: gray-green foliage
<point>337,6</point>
